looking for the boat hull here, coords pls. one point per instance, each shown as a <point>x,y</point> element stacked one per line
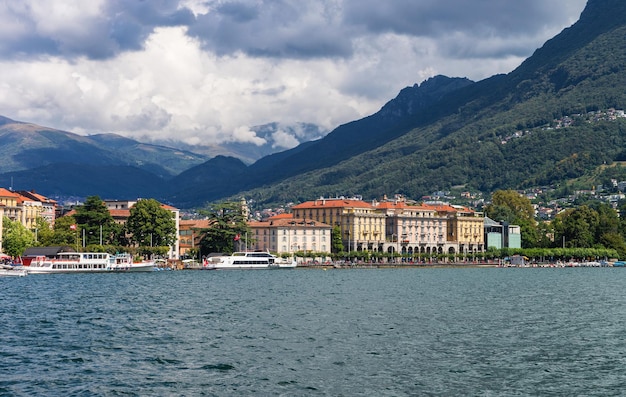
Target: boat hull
<point>70,263</point>
<point>248,261</point>
<point>13,273</point>
<point>115,269</point>
<point>134,268</point>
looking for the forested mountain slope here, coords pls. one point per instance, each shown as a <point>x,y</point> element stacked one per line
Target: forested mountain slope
<point>499,132</point>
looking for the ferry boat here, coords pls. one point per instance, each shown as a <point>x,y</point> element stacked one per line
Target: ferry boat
<point>248,260</point>
<point>87,262</point>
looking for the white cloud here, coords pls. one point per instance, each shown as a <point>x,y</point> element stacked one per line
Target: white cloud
<point>284,140</point>
<point>246,135</point>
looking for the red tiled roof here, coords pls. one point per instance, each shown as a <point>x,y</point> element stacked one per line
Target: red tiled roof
<point>285,215</point>
<point>194,223</point>
<point>116,213</point>
<point>285,222</point>
<point>7,193</point>
<point>441,207</point>
<point>391,205</point>
<point>333,203</point>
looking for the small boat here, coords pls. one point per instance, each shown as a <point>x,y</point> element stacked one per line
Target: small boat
<point>125,263</point>
<point>9,272</point>
<point>248,260</point>
<point>87,262</point>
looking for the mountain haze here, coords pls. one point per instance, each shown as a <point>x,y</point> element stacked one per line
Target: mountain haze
<point>25,146</point>
<point>270,138</point>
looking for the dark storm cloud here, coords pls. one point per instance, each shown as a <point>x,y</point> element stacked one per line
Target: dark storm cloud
<point>436,18</point>
<point>121,26</point>
<point>289,28</point>
<point>277,28</point>
<point>460,26</point>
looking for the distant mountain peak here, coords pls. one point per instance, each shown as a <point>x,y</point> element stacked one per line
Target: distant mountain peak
<point>610,12</point>
<point>415,98</point>
<point>6,120</point>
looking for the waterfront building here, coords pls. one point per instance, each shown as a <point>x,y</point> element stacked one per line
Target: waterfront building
<point>414,229</point>
<point>43,207</point>
<point>285,234</point>
<point>30,211</point>
<point>502,235</point>
<point>465,227</point>
<point>189,236</point>
<point>25,207</point>
<point>362,226</point>
<point>11,202</point>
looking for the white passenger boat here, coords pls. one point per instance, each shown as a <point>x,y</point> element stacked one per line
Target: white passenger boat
<point>248,260</point>
<point>87,262</point>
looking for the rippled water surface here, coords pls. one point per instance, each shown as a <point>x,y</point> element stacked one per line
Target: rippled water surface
<point>379,332</point>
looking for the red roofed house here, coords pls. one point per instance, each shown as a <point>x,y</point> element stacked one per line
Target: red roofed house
<point>189,236</point>
<point>25,207</point>
<point>286,234</point>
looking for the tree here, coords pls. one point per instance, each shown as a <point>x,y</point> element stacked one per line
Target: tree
<point>63,233</point>
<point>579,227</point>
<point>614,241</point>
<point>227,225</point>
<point>337,242</point>
<point>95,222</point>
<point>151,225</point>
<point>511,204</point>
<point>608,220</point>
<point>15,237</point>
<point>43,232</point>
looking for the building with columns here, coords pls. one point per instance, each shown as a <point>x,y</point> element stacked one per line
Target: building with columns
<point>395,226</point>
<point>465,227</point>
<point>362,225</point>
<point>412,229</point>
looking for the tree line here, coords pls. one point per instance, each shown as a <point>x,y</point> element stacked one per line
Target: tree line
<point>149,230</point>
<point>593,228</point>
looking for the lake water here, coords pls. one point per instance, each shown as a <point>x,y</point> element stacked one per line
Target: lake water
<point>356,332</point>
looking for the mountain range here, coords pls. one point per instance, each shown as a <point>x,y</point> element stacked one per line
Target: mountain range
<point>501,132</point>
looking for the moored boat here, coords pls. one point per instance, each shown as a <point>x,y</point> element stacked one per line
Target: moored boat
<point>125,263</point>
<point>87,262</point>
<point>248,260</point>
<point>5,272</point>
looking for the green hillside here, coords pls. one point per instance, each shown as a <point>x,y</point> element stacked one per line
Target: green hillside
<point>459,139</point>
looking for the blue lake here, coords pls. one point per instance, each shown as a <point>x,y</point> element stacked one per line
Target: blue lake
<point>356,332</point>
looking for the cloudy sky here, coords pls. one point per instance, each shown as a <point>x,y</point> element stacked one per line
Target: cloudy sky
<point>205,71</point>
